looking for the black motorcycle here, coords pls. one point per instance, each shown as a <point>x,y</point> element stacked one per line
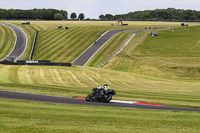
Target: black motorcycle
<point>100,95</point>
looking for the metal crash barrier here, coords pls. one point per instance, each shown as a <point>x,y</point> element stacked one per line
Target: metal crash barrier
<point>39,62</point>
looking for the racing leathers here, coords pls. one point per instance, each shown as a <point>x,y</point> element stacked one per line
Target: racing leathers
<point>100,90</point>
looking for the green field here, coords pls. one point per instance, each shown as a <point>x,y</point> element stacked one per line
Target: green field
<point>78,81</point>
<point>163,69</point>
<point>26,116</point>
<point>171,55</point>
<point>67,45</point>
<point>7,41</point>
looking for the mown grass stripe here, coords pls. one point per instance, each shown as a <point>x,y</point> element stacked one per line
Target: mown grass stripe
<point>52,33</point>
<point>75,78</point>
<point>39,28</point>
<point>55,43</point>
<point>62,51</point>
<point>52,42</point>
<point>13,74</point>
<point>7,41</point>
<point>90,79</point>
<point>82,47</point>
<point>59,44</point>
<point>2,34</point>
<point>44,35</point>
<point>45,41</point>
<point>102,79</point>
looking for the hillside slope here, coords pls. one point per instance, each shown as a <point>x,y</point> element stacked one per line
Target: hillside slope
<point>171,54</point>
<point>78,81</point>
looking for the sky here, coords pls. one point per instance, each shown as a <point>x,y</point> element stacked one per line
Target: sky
<point>94,8</point>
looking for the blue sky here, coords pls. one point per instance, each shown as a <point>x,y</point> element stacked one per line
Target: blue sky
<point>93,8</point>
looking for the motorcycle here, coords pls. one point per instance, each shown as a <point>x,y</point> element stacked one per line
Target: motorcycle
<point>100,95</point>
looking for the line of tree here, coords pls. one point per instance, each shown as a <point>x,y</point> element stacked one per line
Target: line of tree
<point>169,14</point>
<point>44,14</point>
<point>80,17</point>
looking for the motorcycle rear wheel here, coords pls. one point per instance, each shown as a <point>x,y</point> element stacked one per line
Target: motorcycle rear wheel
<point>109,97</point>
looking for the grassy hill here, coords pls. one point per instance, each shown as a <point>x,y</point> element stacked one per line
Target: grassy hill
<point>172,54</point>
<point>25,116</point>
<point>146,71</point>
<point>162,69</point>
<point>7,41</point>
<point>67,45</point>
<point>78,81</point>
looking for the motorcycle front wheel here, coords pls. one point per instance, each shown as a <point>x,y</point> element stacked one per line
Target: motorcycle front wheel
<point>89,98</point>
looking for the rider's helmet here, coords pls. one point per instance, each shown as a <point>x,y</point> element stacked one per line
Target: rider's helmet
<point>106,85</point>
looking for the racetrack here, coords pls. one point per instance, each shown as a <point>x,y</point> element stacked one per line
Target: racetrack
<point>20,44</point>
<point>90,51</point>
<point>53,99</point>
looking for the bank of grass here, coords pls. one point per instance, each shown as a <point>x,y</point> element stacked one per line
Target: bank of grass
<point>7,41</point>
<point>172,54</point>
<point>66,45</point>
<point>78,81</point>
<point>25,116</point>
<point>30,32</point>
<point>109,48</point>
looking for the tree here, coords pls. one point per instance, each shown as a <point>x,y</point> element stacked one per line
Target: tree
<point>73,15</point>
<point>81,16</point>
<point>58,16</point>
<point>109,17</point>
<point>102,17</point>
<point>46,14</point>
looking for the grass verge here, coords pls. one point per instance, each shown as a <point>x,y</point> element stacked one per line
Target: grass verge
<point>26,116</point>
<point>7,41</point>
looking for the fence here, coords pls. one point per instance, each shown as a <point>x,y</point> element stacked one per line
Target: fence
<point>40,62</point>
<point>33,47</point>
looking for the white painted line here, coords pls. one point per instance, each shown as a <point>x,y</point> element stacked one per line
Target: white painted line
<point>90,46</point>
<point>118,51</point>
<point>119,101</point>
<point>16,41</point>
<point>26,41</point>
<point>100,48</point>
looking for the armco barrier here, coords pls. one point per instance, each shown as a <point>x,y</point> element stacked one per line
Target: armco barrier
<point>33,47</point>
<point>40,63</point>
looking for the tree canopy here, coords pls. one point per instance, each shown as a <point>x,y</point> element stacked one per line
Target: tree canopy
<point>44,14</point>
<point>81,16</point>
<point>73,16</point>
<point>58,16</point>
<point>169,14</point>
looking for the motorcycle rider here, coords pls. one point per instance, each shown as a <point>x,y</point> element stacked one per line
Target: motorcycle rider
<point>106,87</point>
<point>103,89</point>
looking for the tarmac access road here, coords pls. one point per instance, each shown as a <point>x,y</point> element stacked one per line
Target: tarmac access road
<point>63,100</point>
<point>20,44</point>
<point>92,49</point>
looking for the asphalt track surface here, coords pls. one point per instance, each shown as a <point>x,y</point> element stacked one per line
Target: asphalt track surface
<point>20,44</point>
<point>90,51</point>
<point>63,100</point>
